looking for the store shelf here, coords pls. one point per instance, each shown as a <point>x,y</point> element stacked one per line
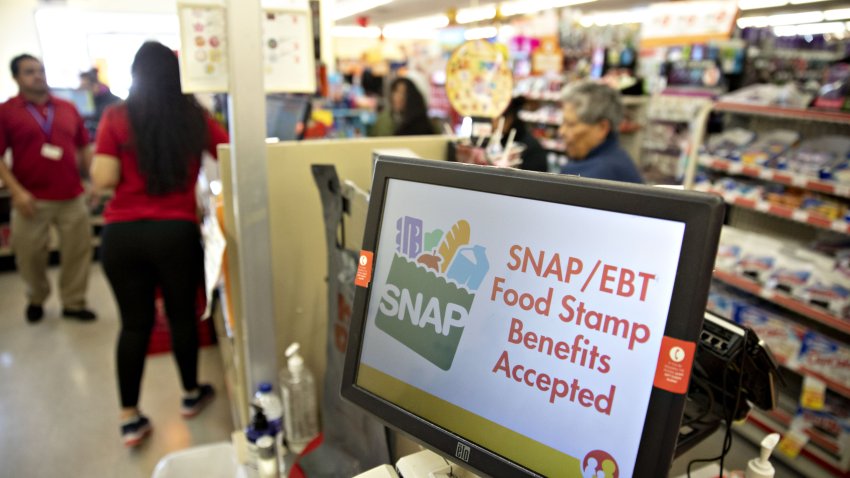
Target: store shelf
<point>815,462</point>
<point>789,113</point>
<point>783,300</point>
<point>817,437</point>
<point>803,217</point>
<point>544,96</point>
<point>672,152</point>
<point>776,176</point>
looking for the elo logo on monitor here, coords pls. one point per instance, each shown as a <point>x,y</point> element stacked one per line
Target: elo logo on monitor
<point>462,451</point>
<point>430,288</point>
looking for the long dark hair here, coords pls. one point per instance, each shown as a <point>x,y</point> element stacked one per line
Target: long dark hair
<point>414,118</point>
<point>168,128</point>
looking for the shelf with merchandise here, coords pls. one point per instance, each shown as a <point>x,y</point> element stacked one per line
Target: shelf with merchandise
<point>797,215</point>
<point>815,462</point>
<point>788,178</point>
<point>783,300</point>
<point>789,113</point>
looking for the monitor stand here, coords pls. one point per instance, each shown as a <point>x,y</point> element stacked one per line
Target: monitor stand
<point>422,464</point>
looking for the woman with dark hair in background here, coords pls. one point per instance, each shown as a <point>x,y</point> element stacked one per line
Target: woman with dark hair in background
<point>533,156</point>
<point>149,149</point>
<point>407,113</point>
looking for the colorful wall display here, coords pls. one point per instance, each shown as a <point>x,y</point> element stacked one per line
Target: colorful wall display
<point>478,80</point>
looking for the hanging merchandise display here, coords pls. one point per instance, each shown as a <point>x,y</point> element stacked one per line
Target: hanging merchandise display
<point>478,80</point>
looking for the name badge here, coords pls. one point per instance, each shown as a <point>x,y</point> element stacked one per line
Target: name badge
<point>51,151</point>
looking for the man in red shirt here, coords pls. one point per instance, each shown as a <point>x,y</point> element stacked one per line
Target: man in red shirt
<point>48,142</point>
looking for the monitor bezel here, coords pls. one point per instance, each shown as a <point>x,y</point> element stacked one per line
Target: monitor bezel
<point>702,215</point>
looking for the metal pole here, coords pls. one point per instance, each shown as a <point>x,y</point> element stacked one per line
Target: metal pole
<point>248,151</point>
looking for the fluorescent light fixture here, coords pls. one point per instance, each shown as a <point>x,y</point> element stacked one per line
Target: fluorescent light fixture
<point>476,14</point>
<point>809,29</point>
<point>353,7</point>
<point>757,22</point>
<point>422,27</point>
<point>839,14</point>
<point>756,4</point>
<point>341,31</point>
<point>794,18</point>
<point>522,7</point>
<point>803,2</point>
<point>620,17</point>
<point>480,33</point>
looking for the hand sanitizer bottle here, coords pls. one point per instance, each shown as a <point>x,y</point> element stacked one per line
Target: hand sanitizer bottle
<point>300,413</point>
<point>760,467</point>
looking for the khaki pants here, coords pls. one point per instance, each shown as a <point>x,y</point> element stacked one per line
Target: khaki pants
<point>31,245</point>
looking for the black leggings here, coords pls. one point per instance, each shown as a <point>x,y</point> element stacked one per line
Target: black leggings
<point>137,257</point>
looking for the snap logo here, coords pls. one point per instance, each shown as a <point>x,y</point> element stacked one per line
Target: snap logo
<point>430,288</point>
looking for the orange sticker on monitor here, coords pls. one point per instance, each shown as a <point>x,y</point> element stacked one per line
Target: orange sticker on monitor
<point>674,365</point>
<point>364,269</point>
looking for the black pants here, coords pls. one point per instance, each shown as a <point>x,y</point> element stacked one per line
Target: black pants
<point>138,257</point>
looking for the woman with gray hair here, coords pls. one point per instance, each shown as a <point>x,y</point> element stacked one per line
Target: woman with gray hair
<point>592,113</point>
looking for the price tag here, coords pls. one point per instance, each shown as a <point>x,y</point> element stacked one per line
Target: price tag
<point>813,396</point>
<point>792,443</point>
<point>842,190</point>
<point>735,168</point>
<point>799,181</point>
<point>801,216</point>
<point>762,206</point>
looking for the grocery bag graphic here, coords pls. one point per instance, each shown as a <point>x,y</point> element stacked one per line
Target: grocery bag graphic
<point>420,306</point>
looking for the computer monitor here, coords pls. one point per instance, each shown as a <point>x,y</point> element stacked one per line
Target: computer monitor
<point>82,99</point>
<point>530,324</point>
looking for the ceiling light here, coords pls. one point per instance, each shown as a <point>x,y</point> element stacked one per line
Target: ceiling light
<point>353,7</point>
<point>809,29</point>
<point>340,31</point>
<point>757,22</point>
<point>839,14</point>
<point>522,7</point>
<point>801,2</point>
<point>794,18</point>
<point>422,27</point>
<point>476,14</point>
<point>756,4</point>
<point>480,33</point>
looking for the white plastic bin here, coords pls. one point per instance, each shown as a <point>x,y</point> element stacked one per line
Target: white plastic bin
<point>215,460</point>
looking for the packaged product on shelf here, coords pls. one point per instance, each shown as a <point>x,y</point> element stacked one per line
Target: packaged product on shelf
<point>730,247</point>
<point>783,337</point>
<point>721,301</point>
<point>790,274</point>
<point>758,257</point>
<point>823,207</point>
<point>824,357</point>
<point>769,146</point>
<point>833,420</point>
<point>729,143</point>
<point>822,157</point>
<point>769,95</point>
<point>829,290</point>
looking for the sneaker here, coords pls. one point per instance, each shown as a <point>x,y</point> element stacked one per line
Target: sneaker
<point>83,315</point>
<point>193,405</point>
<point>34,313</point>
<point>135,431</point>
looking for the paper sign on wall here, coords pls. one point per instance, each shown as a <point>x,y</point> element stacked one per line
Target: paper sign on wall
<point>203,53</point>
<point>288,51</point>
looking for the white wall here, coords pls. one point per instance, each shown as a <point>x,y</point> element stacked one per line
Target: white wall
<point>17,35</point>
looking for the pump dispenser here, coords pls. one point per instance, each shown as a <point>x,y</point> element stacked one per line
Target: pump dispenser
<point>298,389</point>
<point>760,467</point>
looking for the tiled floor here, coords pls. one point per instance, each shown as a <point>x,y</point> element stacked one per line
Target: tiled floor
<point>59,401</point>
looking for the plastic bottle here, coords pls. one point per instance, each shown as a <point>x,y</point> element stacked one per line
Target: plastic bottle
<point>267,466</point>
<point>298,388</point>
<point>272,407</point>
<point>258,428</point>
<point>760,467</point>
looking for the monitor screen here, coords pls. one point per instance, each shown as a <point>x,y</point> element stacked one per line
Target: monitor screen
<point>81,99</point>
<point>526,322</point>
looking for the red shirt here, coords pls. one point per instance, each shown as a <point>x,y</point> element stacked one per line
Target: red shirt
<point>48,179</point>
<point>131,201</point>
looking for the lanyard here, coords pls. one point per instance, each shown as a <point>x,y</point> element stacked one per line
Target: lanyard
<point>46,124</point>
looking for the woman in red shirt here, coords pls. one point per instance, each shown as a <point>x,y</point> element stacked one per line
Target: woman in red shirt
<point>149,149</point>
